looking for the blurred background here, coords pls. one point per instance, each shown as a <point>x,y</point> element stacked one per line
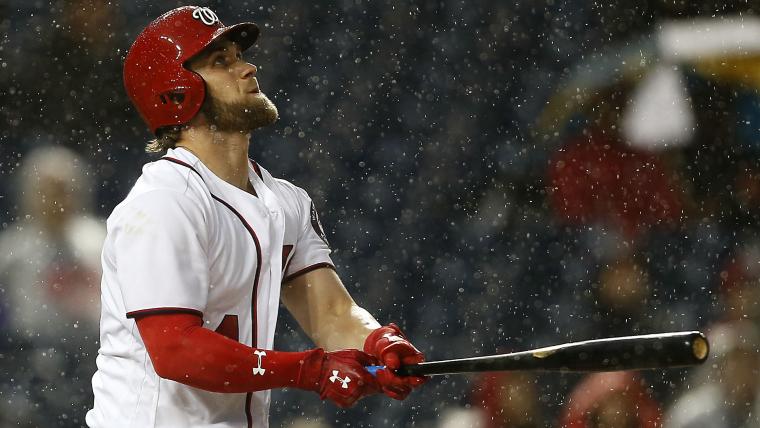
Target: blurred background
<point>492,176</point>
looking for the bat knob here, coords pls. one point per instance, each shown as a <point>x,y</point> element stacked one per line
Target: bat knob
<point>373,369</point>
<point>700,347</point>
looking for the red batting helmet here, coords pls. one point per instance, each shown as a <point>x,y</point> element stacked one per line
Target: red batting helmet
<point>163,90</point>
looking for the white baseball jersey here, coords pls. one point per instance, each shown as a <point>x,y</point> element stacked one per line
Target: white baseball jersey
<point>186,240</point>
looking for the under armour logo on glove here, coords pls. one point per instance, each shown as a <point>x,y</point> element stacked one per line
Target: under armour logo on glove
<point>340,376</point>
<point>258,370</point>
<point>335,377</point>
<point>206,15</point>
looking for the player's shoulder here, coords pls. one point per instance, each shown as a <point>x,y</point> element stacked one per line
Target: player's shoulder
<point>172,172</point>
<point>165,184</point>
<point>176,171</point>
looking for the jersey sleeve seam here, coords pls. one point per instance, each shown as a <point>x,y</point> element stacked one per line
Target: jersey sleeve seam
<point>162,310</point>
<point>308,269</point>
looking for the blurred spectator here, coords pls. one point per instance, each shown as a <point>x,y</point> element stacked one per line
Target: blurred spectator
<point>726,389</point>
<point>509,400</point>
<point>611,400</point>
<point>620,300</point>
<point>49,274</point>
<point>624,298</point>
<point>596,179</point>
<point>461,418</point>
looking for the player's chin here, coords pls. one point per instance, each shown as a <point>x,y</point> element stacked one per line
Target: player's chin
<point>266,109</point>
<point>268,118</point>
<point>262,113</point>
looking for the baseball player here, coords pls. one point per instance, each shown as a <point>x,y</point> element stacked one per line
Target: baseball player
<point>205,246</point>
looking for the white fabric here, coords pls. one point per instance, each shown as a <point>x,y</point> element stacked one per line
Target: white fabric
<point>701,38</point>
<point>170,244</point>
<point>660,114</point>
<point>707,407</point>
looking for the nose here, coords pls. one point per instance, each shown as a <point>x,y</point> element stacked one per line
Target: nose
<point>248,70</point>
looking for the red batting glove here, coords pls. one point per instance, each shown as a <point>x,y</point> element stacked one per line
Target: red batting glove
<point>339,376</point>
<point>389,345</point>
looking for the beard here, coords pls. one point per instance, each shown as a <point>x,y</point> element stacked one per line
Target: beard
<point>239,116</point>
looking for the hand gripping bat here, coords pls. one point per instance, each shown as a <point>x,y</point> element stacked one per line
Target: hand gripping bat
<point>648,351</point>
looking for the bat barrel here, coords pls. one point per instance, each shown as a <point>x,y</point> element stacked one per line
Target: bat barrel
<point>651,351</point>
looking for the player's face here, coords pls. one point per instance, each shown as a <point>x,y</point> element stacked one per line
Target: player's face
<point>234,102</point>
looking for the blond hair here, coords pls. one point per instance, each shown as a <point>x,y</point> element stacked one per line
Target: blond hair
<point>167,138</point>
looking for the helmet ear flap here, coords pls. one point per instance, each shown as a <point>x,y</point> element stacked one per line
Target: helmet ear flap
<point>175,97</point>
<point>183,101</point>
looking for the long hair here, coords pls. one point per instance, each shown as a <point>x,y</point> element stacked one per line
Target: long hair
<point>166,138</point>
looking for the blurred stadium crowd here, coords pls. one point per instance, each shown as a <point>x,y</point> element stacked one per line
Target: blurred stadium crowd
<point>493,176</point>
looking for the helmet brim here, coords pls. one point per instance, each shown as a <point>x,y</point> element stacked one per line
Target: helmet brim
<point>244,34</point>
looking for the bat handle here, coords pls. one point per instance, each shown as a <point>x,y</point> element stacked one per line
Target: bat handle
<point>401,371</point>
<point>373,369</point>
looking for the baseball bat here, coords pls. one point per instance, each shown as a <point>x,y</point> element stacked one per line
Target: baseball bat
<point>648,351</point>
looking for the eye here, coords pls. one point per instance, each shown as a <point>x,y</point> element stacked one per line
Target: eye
<point>220,60</point>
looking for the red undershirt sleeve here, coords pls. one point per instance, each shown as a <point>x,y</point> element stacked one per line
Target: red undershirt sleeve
<point>183,351</point>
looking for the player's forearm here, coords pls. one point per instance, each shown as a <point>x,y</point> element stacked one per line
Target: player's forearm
<point>326,312</point>
<point>183,351</point>
<point>345,329</point>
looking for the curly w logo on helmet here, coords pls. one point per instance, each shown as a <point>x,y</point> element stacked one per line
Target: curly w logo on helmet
<point>206,15</point>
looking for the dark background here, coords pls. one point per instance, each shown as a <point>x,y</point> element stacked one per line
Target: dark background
<point>413,127</point>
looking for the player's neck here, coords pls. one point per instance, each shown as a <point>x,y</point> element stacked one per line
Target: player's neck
<point>224,153</point>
